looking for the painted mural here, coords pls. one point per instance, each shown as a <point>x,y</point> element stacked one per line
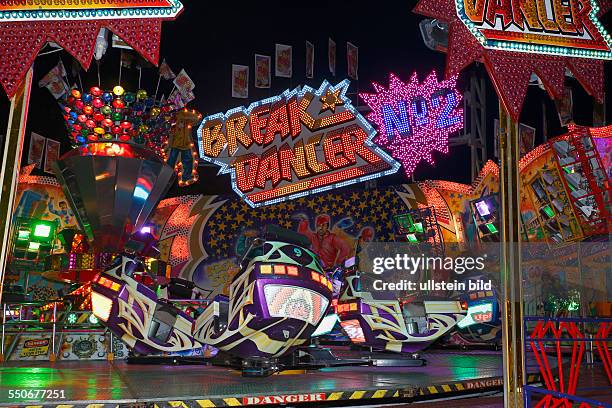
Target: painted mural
<point>218,230</point>
<point>40,198</point>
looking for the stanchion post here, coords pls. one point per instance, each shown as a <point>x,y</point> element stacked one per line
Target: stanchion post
<point>511,274</point>
<point>11,161</point>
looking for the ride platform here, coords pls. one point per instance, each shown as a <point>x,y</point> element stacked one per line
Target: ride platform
<point>107,384</point>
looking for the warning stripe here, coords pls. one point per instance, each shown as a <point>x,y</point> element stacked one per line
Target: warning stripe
<point>471,385</point>
<point>437,389</point>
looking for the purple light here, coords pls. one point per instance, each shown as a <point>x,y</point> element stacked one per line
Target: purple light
<point>145,230</point>
<point>414,119</point>
<point>483,208</point>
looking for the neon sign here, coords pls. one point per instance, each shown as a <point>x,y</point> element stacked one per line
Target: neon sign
<point>301,142</point>
<point>540,26</point>
<point>89,10</point>
<point>414,119</point>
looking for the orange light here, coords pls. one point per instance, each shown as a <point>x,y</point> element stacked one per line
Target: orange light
<point>353,306</point>
<point>292,270</point>
<point>464,305</point>
<point>324,280</point>
<point>279,269</point>
<point>314,276</point>
<point>267,269</point>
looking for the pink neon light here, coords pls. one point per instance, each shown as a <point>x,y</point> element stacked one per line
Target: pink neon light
<point>434,111</point>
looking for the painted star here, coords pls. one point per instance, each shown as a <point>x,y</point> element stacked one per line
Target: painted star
<point>330,100</point>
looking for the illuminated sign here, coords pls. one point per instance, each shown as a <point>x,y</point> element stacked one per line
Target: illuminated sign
<point>283,399</point>
<point>89,9</point>
<point>301,142</point>
<point>415,119</point>
<point>476,314</point>
<point>557,27</point>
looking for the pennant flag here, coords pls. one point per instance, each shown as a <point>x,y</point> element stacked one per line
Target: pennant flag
<point>54,81</point>
<point>53,152</point>
<point>565,107</point>
<point>263,71</point>
<point>284,61</point>
<point>331,56</point>
<point>352,60</point>
<point>183,81</point>
<point>37,147</point>
<point>165,71</point>
<point>175,99</point>
<point>187,96</point>
<point>309,59</point>
<point>240,81</point>
<point>526,138</point>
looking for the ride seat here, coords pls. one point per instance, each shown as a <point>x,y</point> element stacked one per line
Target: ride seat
<point>180,288</point>
<point>162,323</point>
<point>221,313</point>
<point>415,317</point>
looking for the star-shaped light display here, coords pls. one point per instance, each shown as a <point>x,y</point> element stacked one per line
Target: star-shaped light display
<point>414,119</point>
<point>26,28</point>
<point>511,71</point>
<point>330,100</point>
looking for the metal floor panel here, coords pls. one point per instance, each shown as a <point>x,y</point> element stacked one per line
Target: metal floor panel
<point>119,381</point>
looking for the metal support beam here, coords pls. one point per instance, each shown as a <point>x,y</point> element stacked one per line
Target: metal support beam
<point>474,131</point>
<point>512,294</point>
<point>11,161</point>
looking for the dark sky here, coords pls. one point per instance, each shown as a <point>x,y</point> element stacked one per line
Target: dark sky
<point>207,41</point>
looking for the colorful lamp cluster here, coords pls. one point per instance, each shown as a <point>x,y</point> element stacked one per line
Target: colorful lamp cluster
<point>117,116</point>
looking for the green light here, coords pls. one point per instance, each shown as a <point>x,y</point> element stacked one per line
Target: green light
<point>418,227</point>
<point>412,238</point>
<point>491,227</point>
<point>23,235</point>
<point>405,221</point>
<point>42,230</point>
<point>548,211</point>
<point>93,319</point>
<point>72,318</point>
<point>33,246</point>
<point>573,306</point>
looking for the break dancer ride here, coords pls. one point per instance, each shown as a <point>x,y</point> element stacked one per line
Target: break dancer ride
<point>394,331</point>
<point>276,301</point>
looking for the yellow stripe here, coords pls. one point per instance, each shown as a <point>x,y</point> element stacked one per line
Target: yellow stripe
<point>33,406</point>
<point>205,403</point>
<point>95,406</point>
<point>334,396</point>
<point>459,387</point>
<point>446,388</point>
<point>64,406</point>
<point>232,402</point>
<point>396,394</point>
<point>357,395</point>
<point>432,389</point>
<point>177,404</point>
<point>379,394</point>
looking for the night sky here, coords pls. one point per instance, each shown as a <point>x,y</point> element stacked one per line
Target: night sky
<point>206,42</point>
